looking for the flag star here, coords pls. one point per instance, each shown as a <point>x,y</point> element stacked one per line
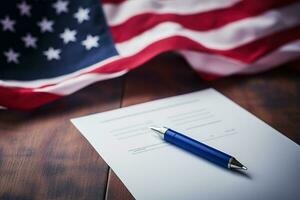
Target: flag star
<point>82,14</point>
<point>60,6</point>
<point>90,42</point>
<point>52,53</point>
<point>68,36</point>
<point>8,24</point>
<point>29,41</point>
<point>24,8</point>
<point>12,56</point>
<point>46,25</point>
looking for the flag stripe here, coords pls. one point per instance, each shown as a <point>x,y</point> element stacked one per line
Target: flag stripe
<point>117,14</point>
<point>71,85</point>
<point>205,21</point>
<point>24,98</point>
<point>222,66</point>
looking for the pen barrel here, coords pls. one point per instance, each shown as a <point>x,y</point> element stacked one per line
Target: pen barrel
<point>198,148</point>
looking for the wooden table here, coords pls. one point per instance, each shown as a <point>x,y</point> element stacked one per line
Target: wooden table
<point>43,156</point>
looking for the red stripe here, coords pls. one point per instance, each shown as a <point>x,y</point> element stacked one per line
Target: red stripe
<point>251,52</point>
<point>205,21</point>
<point>24,98</point>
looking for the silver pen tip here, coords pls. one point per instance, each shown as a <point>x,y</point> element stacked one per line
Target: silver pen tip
<point>234,164</point>
<point>154,128</point>
<point>159,130</point>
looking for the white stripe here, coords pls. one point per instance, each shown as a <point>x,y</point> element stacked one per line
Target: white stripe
<point>222,66</point>
<point>50,81</point>
<point>224,38</point>
<point>119,13</point>
<point>74,84</point>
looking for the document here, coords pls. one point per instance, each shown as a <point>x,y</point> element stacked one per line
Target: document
<point>153,169</point>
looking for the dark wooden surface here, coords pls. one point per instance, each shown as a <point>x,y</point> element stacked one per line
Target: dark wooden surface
<point>43,156</point>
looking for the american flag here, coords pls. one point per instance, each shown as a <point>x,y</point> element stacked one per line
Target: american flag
<point>52,48</point>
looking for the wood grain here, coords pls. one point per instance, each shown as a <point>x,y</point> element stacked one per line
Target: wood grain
<point>43,156</point>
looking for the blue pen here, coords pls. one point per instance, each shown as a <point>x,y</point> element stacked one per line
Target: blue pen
<point>198,148</point>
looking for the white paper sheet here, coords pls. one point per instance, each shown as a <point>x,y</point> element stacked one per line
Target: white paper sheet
<point>152,169</point>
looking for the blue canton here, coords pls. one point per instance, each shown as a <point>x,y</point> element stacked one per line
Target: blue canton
<point>49,38</point>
